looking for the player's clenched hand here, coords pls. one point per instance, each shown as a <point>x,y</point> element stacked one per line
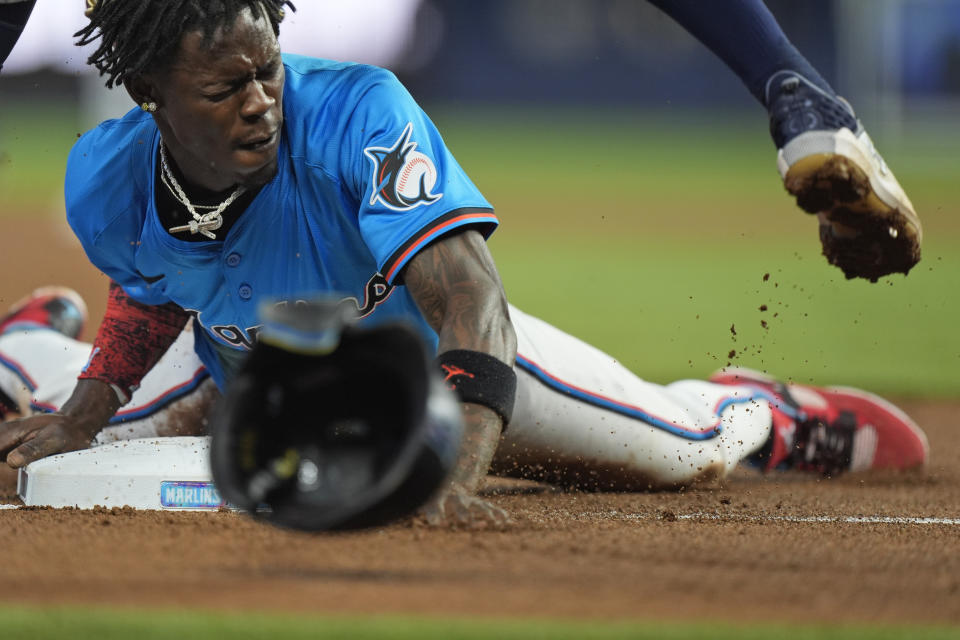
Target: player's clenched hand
<point>457,508</point>
<point>27,439</point>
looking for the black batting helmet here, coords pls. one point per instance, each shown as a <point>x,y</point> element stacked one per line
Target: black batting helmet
<point>328,426</point>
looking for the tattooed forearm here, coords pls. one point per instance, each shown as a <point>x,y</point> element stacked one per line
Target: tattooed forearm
<point>458,291</point>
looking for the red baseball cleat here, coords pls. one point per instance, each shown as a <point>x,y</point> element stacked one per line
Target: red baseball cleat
<point>57,308</point>
<point>832,429</point>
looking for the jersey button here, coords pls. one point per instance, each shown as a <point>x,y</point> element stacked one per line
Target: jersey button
<point>233,259</point>
<point>245,291</point>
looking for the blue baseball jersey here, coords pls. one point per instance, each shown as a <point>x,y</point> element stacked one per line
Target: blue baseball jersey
<point>364,181</point>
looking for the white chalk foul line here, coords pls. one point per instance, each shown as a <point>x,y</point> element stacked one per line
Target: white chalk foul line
<point>798,519</point>
<point>9,506</point>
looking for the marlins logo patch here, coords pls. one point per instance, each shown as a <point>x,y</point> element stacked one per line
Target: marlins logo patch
<point>403,178</point>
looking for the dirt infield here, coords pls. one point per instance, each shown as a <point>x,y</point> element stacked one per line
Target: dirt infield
<point>749,549</point>
<point>739,557</point>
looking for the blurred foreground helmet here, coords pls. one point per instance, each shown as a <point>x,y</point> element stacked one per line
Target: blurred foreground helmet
<point>327,426</point>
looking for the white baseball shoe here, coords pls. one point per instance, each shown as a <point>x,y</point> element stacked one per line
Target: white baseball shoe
<point>868,225</point>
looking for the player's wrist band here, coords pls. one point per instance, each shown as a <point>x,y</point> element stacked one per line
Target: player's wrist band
<point>481,379</point>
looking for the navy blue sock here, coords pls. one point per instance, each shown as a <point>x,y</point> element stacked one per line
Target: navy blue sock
<point>13,17</point>
<point>746,36</point>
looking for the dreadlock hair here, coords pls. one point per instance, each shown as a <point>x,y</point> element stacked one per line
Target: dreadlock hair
<point>139,36</point>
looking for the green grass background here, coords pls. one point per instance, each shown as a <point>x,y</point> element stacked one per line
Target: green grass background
<point>102,624</point>
<point>650,236</point>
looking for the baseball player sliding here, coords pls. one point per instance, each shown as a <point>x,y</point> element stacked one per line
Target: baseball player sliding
<point>579,419</point>
<point>245,175</point>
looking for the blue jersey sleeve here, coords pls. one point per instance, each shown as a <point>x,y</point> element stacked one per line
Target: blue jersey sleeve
<point>410,188</point>
<point>105,196</point>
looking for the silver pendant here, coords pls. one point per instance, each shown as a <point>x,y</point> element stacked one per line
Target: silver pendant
<point>204,227</point>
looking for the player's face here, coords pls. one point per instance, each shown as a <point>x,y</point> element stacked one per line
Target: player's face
<point>221,105</point>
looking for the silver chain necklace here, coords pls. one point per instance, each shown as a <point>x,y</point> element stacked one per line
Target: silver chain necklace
<point>205,223</point>
<point>166,183</point>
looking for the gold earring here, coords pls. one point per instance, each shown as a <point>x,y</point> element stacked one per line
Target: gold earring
<point>149,107</point>
<point>91,5</point>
